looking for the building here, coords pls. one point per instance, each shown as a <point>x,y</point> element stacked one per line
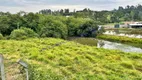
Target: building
<point>135,25</point>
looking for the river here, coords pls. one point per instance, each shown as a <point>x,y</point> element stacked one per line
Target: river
<point>107,45</point>
<point>118,46</point>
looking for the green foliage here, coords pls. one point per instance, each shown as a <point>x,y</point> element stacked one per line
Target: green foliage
<point>88,29</point>
<point>72,61</point>
<point>85,41</point>
<point>74,24</point>
<point>47,25</point>
<point>31,21</point>
<point>1,36</point>
<point>22,33</point>
<point>38,74</point>
<point>131,41</point>
<point>120,39</point>
<point>54,28</point>
<point>48,19</point>
<point>62,27</point>
<point>4,26</point>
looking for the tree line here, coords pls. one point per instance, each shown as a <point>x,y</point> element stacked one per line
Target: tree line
<point>63,23</point>
<point>127,13</point>
<point>26,25</point>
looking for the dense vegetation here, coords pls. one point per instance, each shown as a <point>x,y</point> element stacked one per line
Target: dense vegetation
<point>1,36</point>
<point>127,13</point>
<point>56,59</point>
<point>63,23</point>
<point>46,25</point>
<point>131,41</point>
<point>23,33</point>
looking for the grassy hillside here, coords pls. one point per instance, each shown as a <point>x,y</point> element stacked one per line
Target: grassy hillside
<point>56,59</point>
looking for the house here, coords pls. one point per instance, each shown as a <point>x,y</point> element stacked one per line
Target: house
<point>135,25</point>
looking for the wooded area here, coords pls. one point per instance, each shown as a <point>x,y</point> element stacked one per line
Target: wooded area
<point>63,23</point>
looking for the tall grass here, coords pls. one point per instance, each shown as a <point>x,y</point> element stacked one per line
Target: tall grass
<point>72,61</point>
<point>85,41</point>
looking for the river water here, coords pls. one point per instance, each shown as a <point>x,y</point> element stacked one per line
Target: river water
<point>107,45</point>
<point>118,46</point>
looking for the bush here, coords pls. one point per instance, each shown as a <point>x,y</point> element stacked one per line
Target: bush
<point>54,28</point>
<point>1,36</point>
<point>22,33</point>
<point>88,29</point>
<point>74,24</point>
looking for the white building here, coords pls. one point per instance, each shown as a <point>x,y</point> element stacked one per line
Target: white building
<point>135,25</point>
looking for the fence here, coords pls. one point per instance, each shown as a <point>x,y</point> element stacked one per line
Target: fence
<point>13,70</point>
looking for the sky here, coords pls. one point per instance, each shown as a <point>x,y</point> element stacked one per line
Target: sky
<point>15,6</point>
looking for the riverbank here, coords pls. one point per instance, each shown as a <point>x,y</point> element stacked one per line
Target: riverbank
<point>84,40</point>
<point>127,40</point>
<point>71,60</point>
<point>106,44</point>
<point>126,30</point>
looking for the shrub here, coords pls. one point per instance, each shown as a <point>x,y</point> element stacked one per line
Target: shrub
<point>74,24</point>
<point>88,29</point>
<point>22,33</point>
<point>54,28</point>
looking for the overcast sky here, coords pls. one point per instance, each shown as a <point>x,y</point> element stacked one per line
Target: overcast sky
<point>14,6</point>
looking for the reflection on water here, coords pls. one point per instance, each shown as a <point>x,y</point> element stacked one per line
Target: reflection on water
<point>106,44</point>
<point>118,46</point>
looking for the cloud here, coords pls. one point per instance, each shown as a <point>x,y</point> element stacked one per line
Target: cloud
<point>36,5</point>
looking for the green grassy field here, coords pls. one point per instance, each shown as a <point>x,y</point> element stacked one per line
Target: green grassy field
<point>56,59</point>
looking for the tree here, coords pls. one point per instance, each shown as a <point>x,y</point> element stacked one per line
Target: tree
<point>88,29</point>
<point>140,15</point>
<point>132,15</point>
<point>31,20</point>
<point>120,8</point>
<point>127,17</point>
<point>73,25</point>
<point>67,11</point>
<point>54,28</point>
<point>4,25</point>
<point>46,11</point>
<point>61,11</point>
